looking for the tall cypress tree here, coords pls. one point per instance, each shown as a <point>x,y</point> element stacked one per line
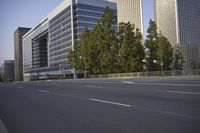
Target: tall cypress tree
<point>151,44</point>
<point>138,52</point>
<point>131,49</point>
<point>178,63</point>
<point>126,40</point>
<point>73,57</point>
<point>103,45</point>
<point>94,49</point>
<point>108,42</point>
<point>164,52</point>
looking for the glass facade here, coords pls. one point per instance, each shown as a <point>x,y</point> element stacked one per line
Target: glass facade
<point>179,21</point>
<point>60,38</point>
<point>189,21</point>
<point>130,11</point>
<point>39,50</point>
<point>46,46</point>
<point>189,32</point>
<point>27,54</point>
<point>87,16</point>
<point>165,18</point>
<point>27,45</point>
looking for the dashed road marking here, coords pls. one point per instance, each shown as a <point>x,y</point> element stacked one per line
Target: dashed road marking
<point>44,91</point>
<point>182,92</point>
<point>109,102</point>
<point>89,86</point>
<point>128,82</point>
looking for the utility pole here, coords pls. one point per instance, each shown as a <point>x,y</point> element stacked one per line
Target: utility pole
<point>61,71</point>
<point>85,72</point>
<point>161,61</point>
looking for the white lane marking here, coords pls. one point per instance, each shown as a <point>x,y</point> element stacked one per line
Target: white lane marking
<point>128,82</point>
<point>44,91</point>
<point>166,112</point>
<point>109,102</point>
<point>126,105</point>
<point>93,86</point>
<point>167,84</point>
<point>183,92</point>
<point>143,83</point>
<point>2,127</point>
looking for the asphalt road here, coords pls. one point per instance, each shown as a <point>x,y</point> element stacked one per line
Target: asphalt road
<point>101,106</point>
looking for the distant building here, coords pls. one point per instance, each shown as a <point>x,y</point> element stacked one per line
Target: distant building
<point>18,49</point>
<point>9,74</point>
<point>2,71</point>
<point>130,11</point>
<point>45,47</point>
<point>179,21</point>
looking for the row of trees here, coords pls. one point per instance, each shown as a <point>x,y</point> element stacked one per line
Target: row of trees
<point>106,50</point>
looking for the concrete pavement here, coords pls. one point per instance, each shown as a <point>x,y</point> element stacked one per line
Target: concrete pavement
<point>101,106</point>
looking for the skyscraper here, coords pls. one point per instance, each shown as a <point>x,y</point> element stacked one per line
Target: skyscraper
<point>20,31</point>
<point>45,47</point>
<point>130,11</point>
<point>179,21</point>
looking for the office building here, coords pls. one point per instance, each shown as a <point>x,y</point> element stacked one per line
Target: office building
<point>2,71</point>
<point>20,31</point>
<point>130,11</point>
<point>45,47</point>
<point>9,74</point>
<point>179,21</point>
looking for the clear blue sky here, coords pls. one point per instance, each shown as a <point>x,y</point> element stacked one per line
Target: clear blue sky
<point>27,13</point>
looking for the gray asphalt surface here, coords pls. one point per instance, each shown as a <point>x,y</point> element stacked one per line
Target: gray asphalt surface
<point>101,106</point>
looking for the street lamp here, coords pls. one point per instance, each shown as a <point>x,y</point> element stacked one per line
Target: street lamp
<point>60,67</point>
<point>161,62</point>
<point>85,71</point>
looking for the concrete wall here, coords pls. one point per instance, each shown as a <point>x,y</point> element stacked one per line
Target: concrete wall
<point>18,49</point>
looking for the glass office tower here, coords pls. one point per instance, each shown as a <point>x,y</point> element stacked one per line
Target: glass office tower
<point>46,46</point>
<point>165,18</point>
<point>130,11</point>
<point>179,21</point>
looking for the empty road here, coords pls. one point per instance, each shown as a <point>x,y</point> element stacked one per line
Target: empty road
<point>101,106</point>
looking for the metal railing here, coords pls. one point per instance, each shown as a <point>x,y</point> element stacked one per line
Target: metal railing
<point>156,74</point>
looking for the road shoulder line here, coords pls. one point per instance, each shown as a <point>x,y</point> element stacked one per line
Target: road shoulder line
<point>2,127</point>
<point>183,92</point>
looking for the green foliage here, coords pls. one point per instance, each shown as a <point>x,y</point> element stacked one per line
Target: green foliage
<point>73,56</point>
<point>1,78</point>
<point>138,53</point>
<point>159,51</point>
<point>151,43</point>
<point>95,51</point>
<point>164,52</point>
<point>78,56</point>
<point>126,36</point>
<point>131,50</point>
<point>102,50</point>
<point>178,59</point>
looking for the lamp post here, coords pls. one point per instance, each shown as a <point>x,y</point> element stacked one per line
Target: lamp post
<point>60,66</point>
<point>85,71</point>
<point>161,62</point>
